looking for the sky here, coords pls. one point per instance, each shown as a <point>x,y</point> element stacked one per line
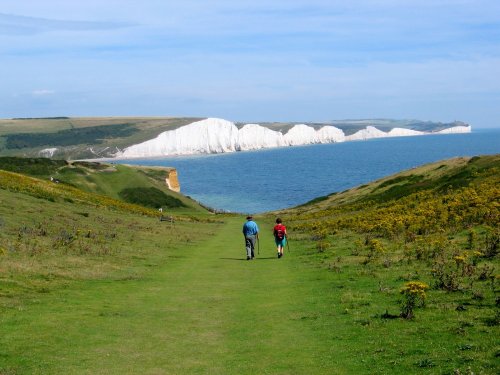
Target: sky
<point>252,61</point>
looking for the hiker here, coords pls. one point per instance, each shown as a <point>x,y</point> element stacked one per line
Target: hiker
<point>251,233</point>
<point>279,232</point>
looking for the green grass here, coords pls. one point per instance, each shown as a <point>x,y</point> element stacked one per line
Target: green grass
<point>150,197</point>
<point>88,135</point>
<point>80,138</point>
<point>107,179</point>
<point>39,167</point>
<point>87,289</point>
<point>439,336</point>
<point>198,308</point>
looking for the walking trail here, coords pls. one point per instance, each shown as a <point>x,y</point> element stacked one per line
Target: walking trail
<point>206,311</point>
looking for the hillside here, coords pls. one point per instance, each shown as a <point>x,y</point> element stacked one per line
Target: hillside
<point>452,204</point>
<point>145,186</point>
<point>87,138</point>
<point>432,180</point>
<point>430,235</point>
<point>397,276</point>
<point>80,138</point>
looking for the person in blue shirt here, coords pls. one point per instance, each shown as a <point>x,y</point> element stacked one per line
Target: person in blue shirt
<point>251,234</point>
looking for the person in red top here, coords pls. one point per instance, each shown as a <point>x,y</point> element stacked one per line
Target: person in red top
<point>279,232</point>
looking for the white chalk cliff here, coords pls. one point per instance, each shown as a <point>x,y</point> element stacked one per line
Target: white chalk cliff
<point>216,136</point>
<point>455,130</point>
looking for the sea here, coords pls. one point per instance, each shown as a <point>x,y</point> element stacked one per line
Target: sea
<point>271,179</point>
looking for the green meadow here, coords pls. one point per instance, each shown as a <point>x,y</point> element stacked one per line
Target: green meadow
<point>399,276</point>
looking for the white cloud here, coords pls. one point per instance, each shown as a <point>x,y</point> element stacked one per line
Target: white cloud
<point>42,92</point>
<point>11,24</point>
<point>223,55</point>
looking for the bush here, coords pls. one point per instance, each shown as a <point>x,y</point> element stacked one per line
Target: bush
<point>150,197</point>
<point>67,137</point>
<point>492,243</point>
<point>31,166</point>
<point>413,296</point>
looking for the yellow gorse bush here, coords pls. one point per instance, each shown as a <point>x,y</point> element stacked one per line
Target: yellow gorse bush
<point>413,296</point>
<point>416,288</point>
<point>459,259</point>
<point>421,213</point>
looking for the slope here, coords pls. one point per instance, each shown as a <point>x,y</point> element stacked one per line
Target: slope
<point>132,184</point>
<point>197,310</point>
<point>428,239</point>
<point>92,288</point>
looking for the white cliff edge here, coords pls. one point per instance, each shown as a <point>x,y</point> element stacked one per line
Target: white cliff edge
<point>217,136</point>
<point>455,130</point>
<point>47,152</point>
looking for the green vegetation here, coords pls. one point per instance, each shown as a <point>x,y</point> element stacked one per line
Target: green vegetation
<point>56,192</point>
<point>150,197</point>
<point>428,238</point>
<point>375,281</point>
<point>119,182</point>
<point>90,135</point>
<point>80,138</point>
<point>316,200</point>
<point>31,166</point>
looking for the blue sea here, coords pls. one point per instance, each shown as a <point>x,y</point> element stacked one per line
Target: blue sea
<point>259,181</point>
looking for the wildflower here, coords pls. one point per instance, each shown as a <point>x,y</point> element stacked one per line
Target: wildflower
<point>460,259</point>
<point>413,296</point>
<point>415,287</point>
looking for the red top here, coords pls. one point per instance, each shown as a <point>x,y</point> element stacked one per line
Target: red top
<point>278,227</point>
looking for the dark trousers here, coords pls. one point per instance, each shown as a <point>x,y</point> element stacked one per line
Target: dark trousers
<point>250,245</point>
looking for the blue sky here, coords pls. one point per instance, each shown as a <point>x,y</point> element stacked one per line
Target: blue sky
<point>272,60</point>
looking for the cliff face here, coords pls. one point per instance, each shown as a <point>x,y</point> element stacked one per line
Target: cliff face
<point>217,136</point>
<point>172,181</point>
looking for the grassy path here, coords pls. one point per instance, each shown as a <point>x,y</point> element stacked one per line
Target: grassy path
<point>205,311</point>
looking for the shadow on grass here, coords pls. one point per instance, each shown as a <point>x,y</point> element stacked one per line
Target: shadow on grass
<point>245,259</point>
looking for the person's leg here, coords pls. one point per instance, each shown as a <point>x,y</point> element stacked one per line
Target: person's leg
<point>282,244</point>
<point>248,246</point>
<point>253,248</point>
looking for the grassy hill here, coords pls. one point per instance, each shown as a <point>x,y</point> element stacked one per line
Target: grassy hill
<point>141,185</point>
<point>421,245</point>
<point>52,233</point>
<point>57,238</point>
<point>100,137</point>
<point>80,138</point>
<point>397,276</point>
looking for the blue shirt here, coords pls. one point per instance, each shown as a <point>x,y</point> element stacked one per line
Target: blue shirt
<point>250,228</point>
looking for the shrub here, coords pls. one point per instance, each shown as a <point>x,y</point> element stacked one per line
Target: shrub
<point>413,296</point>
<point>149,197</point>
<point>31,166</point>
<point>471,239</point>
<point>67,137</point>
<point>322,245</point>
<point>492,243</point>
<point>445,277</point>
